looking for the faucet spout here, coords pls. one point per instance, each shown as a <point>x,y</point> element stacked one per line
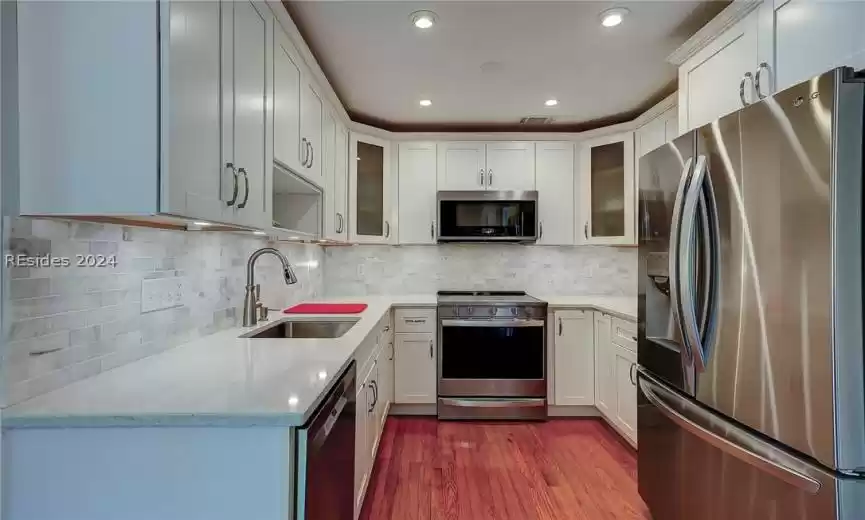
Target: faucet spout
<point>250,301</point>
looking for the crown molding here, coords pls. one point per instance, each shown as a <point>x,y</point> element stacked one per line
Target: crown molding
<point>733,13</point>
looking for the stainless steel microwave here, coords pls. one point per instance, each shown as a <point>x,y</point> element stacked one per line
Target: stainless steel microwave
<point>487,216</point>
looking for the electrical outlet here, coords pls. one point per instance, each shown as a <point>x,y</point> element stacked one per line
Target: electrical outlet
<point>161,293</point>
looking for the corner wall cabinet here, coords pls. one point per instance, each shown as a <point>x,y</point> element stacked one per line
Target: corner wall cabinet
<point>607,196</point>
<point>369,190</point>
<point>417,193</point>
<point>555,182</point>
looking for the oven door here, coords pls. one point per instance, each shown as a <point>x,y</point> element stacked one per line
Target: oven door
<point>492,358</point>
<point>487,216</point>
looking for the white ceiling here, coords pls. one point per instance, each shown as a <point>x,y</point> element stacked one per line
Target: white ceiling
<point>497,61</point>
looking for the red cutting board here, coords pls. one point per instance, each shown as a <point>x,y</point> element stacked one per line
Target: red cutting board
<point>326,308</point>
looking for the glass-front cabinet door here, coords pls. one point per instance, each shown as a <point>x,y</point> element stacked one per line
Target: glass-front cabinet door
<point>607,196</point>
<point>369,190</point>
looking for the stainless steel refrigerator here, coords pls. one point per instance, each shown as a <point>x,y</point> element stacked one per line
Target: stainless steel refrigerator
<point>751,387</point>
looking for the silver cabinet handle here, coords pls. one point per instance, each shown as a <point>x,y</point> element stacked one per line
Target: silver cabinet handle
<point>303,151</point>
<point>586,230</point>
<point>432,229</point>
<point>490,177</point>
<point>745,77</point>
<point>311,154</point>
<point>246,192</point>
<point>541,230</point>
<point>234,176</point>
<point>632,376</point>
<point>392,353</point>
<point>430,349</point>
<point>560,326</point>
<point>339,221</point>
<point>386,229</point>
<point>482,176</point>
<point>760,68</point>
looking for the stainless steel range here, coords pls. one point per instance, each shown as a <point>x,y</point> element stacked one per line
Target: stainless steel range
<point>492,356</point>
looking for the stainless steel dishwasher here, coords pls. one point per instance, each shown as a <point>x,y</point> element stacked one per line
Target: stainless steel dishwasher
<point>325,455</point>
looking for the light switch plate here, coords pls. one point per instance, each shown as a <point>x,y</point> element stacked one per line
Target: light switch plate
<point>161,293</point>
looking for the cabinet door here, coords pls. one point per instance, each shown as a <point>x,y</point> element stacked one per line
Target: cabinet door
<point>251,49</point>
<point>813,37</point>
<point>195,173</point>
<point>607,190</point>
<point>574,358</point>
<point>286,102</point>
<point>709,81</point>
<point>372,423</point>
<point>554,174</point>
<point>671,124</point>
<point>415,369</point>
<point>340,187</point>
<point>361,453</point>
<point>604,383</point>
<point>310,129</point>
<point>625,363</point>
<point>417,193</point>
<point>511,166</point>
<point>461,166</point>
<point>328,165</point>
<point>369,189</point>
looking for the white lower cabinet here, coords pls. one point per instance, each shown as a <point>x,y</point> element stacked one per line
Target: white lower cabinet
<point>573,360</point>
<point>362,466</point>
<point>604,389</point>
<point>415,369</point>
<point>625,366</point>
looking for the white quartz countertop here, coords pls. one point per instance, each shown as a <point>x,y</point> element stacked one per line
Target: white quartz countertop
<point>226,380</point>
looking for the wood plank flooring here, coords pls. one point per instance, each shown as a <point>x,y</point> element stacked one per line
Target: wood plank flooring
<point>558,470</point>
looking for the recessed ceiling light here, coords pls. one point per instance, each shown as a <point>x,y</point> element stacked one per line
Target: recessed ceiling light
<point>551,102</point>
<point>423,19</point>
<point>425,102</point>
<point>613,17</point>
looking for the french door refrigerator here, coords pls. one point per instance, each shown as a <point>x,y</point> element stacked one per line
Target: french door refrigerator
<point>751,391</point>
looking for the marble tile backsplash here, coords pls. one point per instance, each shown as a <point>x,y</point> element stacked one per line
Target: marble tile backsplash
<point>63,324</point>
<point>572,270</point>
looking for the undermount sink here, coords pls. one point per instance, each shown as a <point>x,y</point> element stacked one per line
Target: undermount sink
<point>304,329</point>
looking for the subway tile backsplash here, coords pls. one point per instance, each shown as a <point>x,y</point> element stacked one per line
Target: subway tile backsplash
<point>542,270</point>
<point>63,324</point>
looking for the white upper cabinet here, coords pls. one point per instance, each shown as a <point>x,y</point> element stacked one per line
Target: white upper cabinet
<point>287,80</point>
<point>555,176</point>
<point>461,166</point>
<point>574,358</point>
<point>369,190</point>
<point>607,190</point>
<point>183,145</point>
<point>417,193</point>
<point>510,166</point>
<point>310,131</point>
<point>470,166</point>
<point>812,37</point>
<point>328,170</point>
<point>251,24</point>
<point>337,194</point>
<point>719,78</point>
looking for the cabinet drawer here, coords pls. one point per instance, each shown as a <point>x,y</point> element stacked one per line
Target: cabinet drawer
<point>415,320</point>
<point>625,334</point>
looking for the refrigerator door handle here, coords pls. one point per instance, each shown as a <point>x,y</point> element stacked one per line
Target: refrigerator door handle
<point>685,267</point>
<point>675,233</point>
<point>731,440</point>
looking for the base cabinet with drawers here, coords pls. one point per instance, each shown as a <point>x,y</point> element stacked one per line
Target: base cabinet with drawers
<point>415,355</point>
<point>593,362</point>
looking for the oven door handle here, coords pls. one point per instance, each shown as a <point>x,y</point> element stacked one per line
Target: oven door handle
<point>492,323</point>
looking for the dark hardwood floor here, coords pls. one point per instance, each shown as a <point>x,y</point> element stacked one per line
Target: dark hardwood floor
<point>559,470</point>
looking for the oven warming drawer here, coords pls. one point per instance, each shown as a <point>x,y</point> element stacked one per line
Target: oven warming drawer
<point>492,387</point>
<point>533,409</point>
